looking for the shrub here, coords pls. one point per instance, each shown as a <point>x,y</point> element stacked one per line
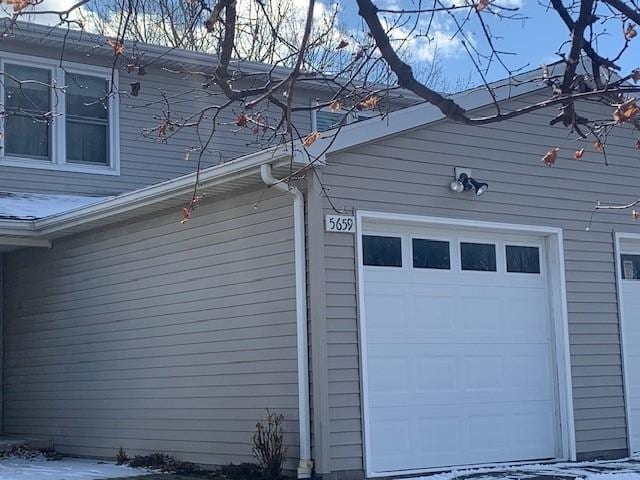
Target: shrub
<point>243,471</point>
<point>121,457</point>
<point>268,446</point>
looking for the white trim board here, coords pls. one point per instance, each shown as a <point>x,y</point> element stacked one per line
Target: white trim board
<point>558,302</point>
<point>618,237</point>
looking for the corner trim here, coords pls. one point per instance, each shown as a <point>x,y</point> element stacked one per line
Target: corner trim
<point>318,325</point>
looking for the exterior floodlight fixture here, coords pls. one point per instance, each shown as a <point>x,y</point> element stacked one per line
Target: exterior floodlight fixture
<point>458,185</point>
<point>479,187</point>
<point>463,182</point>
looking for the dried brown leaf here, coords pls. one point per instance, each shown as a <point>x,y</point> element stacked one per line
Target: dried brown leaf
<point>335,106</point>
<point>626,111</point>
<point>116,45</point>
<point>343,43</point>
<point>19,5</point>
<point>578,154</point>
<point>369,103</point>
<point>242,120</point>
<point>550,157</point>
<point>186,215</point>
<point>630,32</point>
<point>311,139</point>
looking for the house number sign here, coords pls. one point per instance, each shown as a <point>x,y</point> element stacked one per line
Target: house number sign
<point>340,223</point>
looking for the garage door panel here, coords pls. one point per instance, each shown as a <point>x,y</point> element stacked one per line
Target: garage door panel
<point>459,365</point>
<point>434,373</point>
<point>476,434</point>
<point>392,374</point>
<point>436,313</point>
<point>387,312</point>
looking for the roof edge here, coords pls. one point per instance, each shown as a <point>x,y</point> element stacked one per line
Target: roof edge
<point>40,232</point>
<point>423,114</point>
<point>240,167</point>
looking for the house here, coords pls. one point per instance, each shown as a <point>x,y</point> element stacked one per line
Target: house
<point>438,329</point>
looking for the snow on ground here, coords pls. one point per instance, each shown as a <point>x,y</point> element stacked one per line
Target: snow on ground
<point>66,469</point>
<point>30,206</point>
<point>623,469</point>
<point>613,476</point>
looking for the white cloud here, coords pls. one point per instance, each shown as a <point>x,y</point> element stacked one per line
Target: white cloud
<point>510,3</point>
<point>29,13</point>
<point>427,41</point>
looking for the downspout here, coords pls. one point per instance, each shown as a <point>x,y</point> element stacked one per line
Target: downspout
<point>305,464</point>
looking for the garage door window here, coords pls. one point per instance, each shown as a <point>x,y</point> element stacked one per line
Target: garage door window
<point>431,254</point>
<point>378,251</point>
<point>522,259</point>
<point>478,256</point>
<point>630,266</point>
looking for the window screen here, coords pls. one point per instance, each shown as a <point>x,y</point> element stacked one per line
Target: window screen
<point>27,99</point>
<point>87,121</point>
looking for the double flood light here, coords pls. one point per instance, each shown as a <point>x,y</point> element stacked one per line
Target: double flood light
<point>465,183</point>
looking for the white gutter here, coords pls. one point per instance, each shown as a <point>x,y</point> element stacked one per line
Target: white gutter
<point>305,464</point>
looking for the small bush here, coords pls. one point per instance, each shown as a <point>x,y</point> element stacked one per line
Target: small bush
<point>268,446</point>
<point>164,463</point>
<point>244,471</point>
<point>122,457</point>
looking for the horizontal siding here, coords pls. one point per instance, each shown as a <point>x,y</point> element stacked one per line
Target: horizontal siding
<point>156,336</point>
<point>410,173</point>
<point>145,161</point>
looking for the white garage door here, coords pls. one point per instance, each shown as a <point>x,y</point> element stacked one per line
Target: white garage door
<point>629,276</point>
<point>458,349</point>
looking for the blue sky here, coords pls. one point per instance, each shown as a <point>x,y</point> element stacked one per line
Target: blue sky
<point>534,40</point>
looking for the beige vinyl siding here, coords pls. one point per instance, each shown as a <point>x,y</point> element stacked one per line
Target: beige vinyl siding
<point>410,173</point>
<point>145,160</point>
<point>156,336</point>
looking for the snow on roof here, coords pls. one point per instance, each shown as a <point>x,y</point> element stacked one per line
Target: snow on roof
<point>33,206</point>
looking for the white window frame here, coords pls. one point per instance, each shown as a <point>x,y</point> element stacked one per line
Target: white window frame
<point>58,145</point>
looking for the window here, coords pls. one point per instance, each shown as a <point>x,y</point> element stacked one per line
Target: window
<point>630,266</point>
<point>522,259</point>
<point>478,256</point>
<point>431,254</point>
<point>58,118</point>
<point>87,120</point>
<point>380,251</point>
<point>326,119</point>
<point>27,100</point>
